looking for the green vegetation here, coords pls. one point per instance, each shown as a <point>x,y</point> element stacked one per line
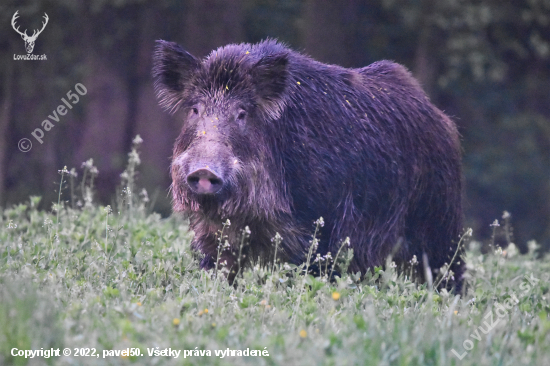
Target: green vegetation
<point>122,277</point>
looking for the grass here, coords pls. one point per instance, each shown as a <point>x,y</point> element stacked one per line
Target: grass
<point>84,276</point>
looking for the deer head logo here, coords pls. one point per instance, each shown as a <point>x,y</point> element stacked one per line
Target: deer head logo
<point>29,41</point>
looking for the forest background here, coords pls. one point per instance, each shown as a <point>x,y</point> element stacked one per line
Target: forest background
<point>485,63</point>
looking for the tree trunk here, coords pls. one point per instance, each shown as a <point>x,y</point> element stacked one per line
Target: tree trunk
<point>156,127</point>
<point>424,62</point>
<point>212,23</point>
<point>106,105</point>
<point>329,34</point>
<point>5,116</point>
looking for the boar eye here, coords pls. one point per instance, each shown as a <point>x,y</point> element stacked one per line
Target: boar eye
<point>195,110</point>
<point>241,115</point>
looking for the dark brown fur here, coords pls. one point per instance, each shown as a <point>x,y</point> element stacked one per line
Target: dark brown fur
<point>363,148</point>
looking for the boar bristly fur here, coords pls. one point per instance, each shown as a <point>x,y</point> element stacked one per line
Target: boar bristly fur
<point>273,140</point>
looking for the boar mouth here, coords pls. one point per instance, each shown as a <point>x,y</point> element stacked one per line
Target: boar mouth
<point>209,204</point>
<point>186,200</point>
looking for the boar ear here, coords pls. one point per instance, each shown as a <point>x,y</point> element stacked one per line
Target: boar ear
<point>269,76</point>
<point>172,70</point>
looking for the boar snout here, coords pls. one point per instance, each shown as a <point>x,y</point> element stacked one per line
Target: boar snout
<point>204,181</point>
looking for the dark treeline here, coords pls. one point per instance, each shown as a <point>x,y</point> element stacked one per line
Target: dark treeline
<point>486,63</point>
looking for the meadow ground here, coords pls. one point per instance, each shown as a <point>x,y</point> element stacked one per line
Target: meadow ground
<point>119,285</point>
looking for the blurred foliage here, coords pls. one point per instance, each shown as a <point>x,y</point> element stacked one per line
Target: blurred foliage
<point>484,62</point>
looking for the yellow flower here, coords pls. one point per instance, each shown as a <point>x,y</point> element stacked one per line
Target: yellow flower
<point>176,321</point>
<point>206,311</point>
<point>213,325</point>
<point>335,296</point>
<point>200,313</point>
<point>139,303</point>
<point>303,333</point>
<point>456,312</point>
